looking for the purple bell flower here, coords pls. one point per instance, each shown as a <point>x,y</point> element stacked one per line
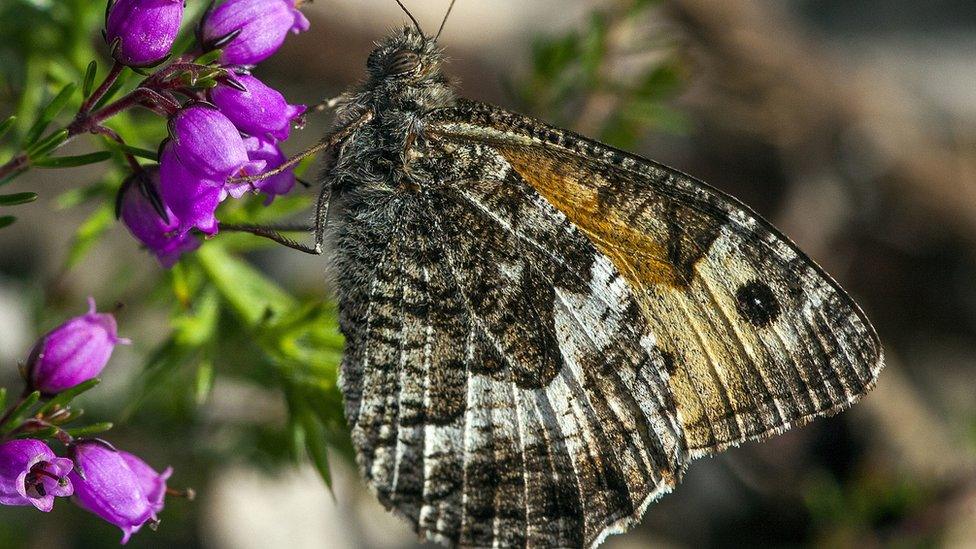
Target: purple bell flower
<point>74,352</point>
<point>151,482</point>
<point>143,29</point>
<point>144,222</point>
<point>270,152</point>
<point>261,27</point>
<point>191,197</point>
<point>207,143</point>
<point>261,111</point>
<point>30,474</point>
<point>105,485</point>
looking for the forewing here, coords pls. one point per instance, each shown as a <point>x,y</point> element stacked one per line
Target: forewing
<point>500,382</point>
<point>756,337</point>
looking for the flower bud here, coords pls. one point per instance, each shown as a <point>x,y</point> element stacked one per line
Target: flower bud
<point>151,482</point>
<point>207,143</point>
<point>147,225</point>
<point>141,32</point>
<point>270,152</point>
<point>191,197</point>
<point>105,485</point>
<point>73,353</point>
<point>30,474</point>
<point>260,111</point>
<point>256,28</point>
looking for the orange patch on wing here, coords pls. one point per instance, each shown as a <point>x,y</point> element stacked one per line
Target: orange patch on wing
<point>639,255</point>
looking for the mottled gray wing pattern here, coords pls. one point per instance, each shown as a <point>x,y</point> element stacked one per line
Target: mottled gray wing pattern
<point>756,336</point>
<point>500,382</point>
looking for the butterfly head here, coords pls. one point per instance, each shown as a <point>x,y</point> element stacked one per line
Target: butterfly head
<point>408,64</point>
<point>405,56</point>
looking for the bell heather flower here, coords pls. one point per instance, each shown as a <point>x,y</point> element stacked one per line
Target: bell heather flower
<point>145,223</point>
<point>207,143</point>
<point>261,27</point>
<point>151,482</point>
<point>192,198</point>
<point>30,474</point>
<point>105,485</point>
<point>143,29</point>
<point>270,152</point>
<point>261,111</point>
<point>74,352</point>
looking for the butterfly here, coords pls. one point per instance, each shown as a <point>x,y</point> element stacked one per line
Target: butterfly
<point>543,331</point>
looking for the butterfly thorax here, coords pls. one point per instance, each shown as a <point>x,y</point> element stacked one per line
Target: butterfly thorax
<point>404,83</point>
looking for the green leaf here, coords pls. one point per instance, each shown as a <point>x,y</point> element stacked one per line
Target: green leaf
<point>196,327</point>
<point>80,195</point>
<point>11,176</point>
<point>594,48</point>
<point>20,412</point>
<point>3,398</point>
<point>134,151</point>
<point>311,431</point>
<point>209,57</point>
<point>318,450</point>
<point>253,297</point>
<point>6,220</point>
<point>551,57</point>
<point>97,224</point>
<point>50,111</point>
<point>48,144</point>
<point>46,432</point>
<point>204,381</point>
<point>6,125</point>
<point>17,198</point>
<point>72,161</point>
<point>89,430</point>
<point>88,84</point>
<point>661,82</point>
<point>61,399</point>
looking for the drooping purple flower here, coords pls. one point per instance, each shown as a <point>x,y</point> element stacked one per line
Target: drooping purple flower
<point>30,474</point>
<point>105,485</point>
<point>192,198</point>
<point>160,235</point>
<point>74,352</point>
<point>261,111</point>
<point>270,152</point>
<point>151,482</point>
<point>260,26</point>
<point>208,144</point>
<point>142,32</point>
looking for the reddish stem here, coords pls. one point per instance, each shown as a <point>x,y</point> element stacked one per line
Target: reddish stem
<point>99,92</point>
<point>147,94</point>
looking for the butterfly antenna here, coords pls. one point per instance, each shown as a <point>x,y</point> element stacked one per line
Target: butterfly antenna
<point>444,21</point>
<point>412,18</point>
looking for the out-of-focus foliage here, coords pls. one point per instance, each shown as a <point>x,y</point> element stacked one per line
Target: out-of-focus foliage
<point>229,323</point>
<point>585,79</point>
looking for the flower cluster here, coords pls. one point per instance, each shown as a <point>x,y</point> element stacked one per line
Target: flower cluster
<point>115,485</point>
<point>224,123</point>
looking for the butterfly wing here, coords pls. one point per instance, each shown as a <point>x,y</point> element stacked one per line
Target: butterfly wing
<point>756,336</point>
<point>499,379</point>
<point>549,329</point>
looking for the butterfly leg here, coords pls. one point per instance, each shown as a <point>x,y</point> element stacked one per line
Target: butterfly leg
<point>273,232</point>
<point>328,142</point>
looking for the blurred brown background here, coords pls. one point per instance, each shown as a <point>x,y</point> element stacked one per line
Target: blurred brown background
<point>850,125</point>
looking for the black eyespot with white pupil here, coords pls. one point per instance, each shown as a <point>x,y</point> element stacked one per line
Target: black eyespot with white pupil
<point>402,62</point>
<point>757,303</point>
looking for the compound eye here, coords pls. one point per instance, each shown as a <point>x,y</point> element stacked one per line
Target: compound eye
<point>403,61</point>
